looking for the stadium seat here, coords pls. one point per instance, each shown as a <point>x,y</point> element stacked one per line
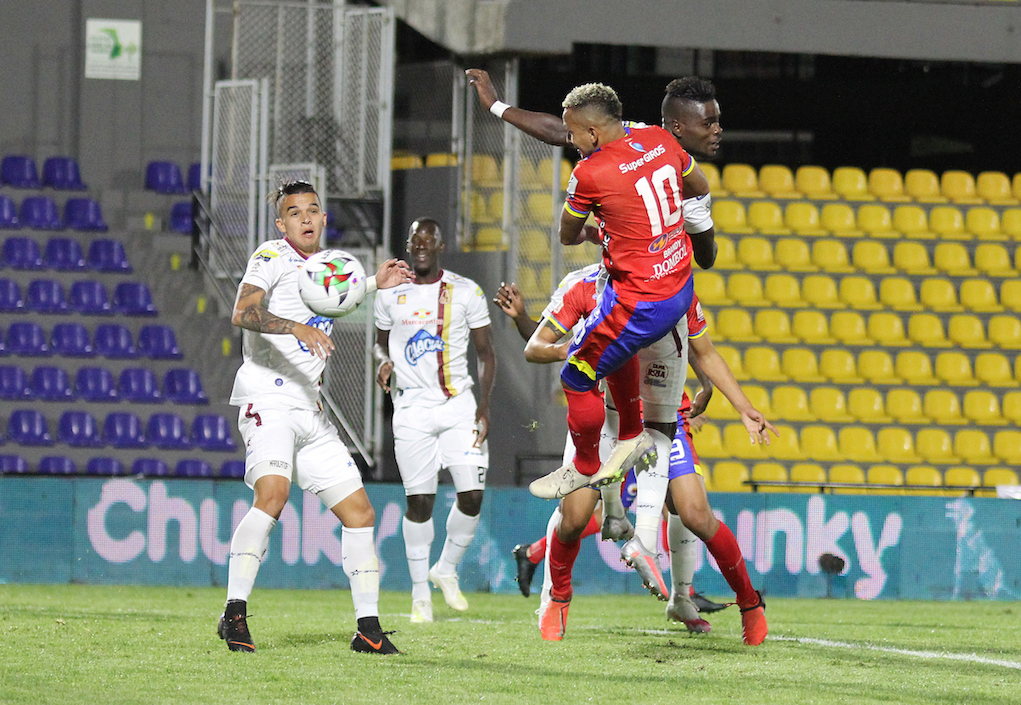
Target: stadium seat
<point>993,187</point>
<point>828,404</point>
<point>830,255</point>
<point>45,296</point>
<point>8,213</point>
<point>729,476</point>
<point>233,469</point>
<point>966,478</point>
<point>814,182</point>
<point>104,467</point>
<point>711,288</point>
<point>21,253</point>
<point>859,293</point>
<point>710,444</point>
<point>885,475</point>
<point>13,383</point>
<point>766,217</point>
<point>782,290</point>
<point>64,254</point>
<point>212,432</point>
<point>13,465</point>
<point>993,369</point>
<point>489,240</point>
<point>993,477</point>
<point>898,293</point>
<point>943,407</point>
<point>774,326</point>
<point>1005,332</point>
<point>159,343</point>
<point>1010,294</point>
<point>803,220</point>
<point>926,329</point>
<point>952,258</point>
<point>848,474</point>
<point>10,296</point>
<point>812,327</point>
<point>184,386</point>
<point>28,427</point>
<point>735,440</point>
<point>95,384</point>
<point>62,173</point>
<point>867,405</point>
<point>887,185</point>
<point>791,404</point>
<point>993,260</point>
<point>57,465</point>
<point>1012,407</point>
<point>726,255</point>
<point>741,180</point>
<point>138,384</point>
<point>851,184</point>
<point>984,224</point>
<point>544,170</point>
<point>777,181</point>
<point>733,359</point>
<point>745,289</point>
<point>983,407</point>
<point>540,208</point>
<point>89,298</point>
<point>954,368</point>
<point>923,186</point>
<point>979,296</point>
<point>857,444</point>
<point>735,325</point>
<point>133,299</point>
<point>871,257</point>
<point>534,246</point>
<point>181,217</point>
<point>164,177</point>
<point>820,443</point>
<point>769,472</point>
<point>192,467</point>
<point>763,364</point>
<point>877,367</point>
<point>477,208</point>
<point>40,213</point>
<point>124,430</point>
<point>923,476</point>
<point>730,218</point>
<point>947,223</point>
<point>78,429</point>
<point>935,446</point>
<point>108,256</point>
<point>914,368</point>
<point>84,214</point>
<point>972,445</point>
<point>793,255</point>
<point>820,291</point>
<point>905,406</point>
<point>114,341</point>
<point>50,384</point>
<point>26,338</point>
<point>838,219</point>
<point>719,409</point>
<point>939,295</point>
<point>959,187</point>
<point>167,432</point>
<point>712,175</point>
<point>756,253</point>
<point>149,467</point>
<point>1010,223</point>
<point>911,222</point>
<point>887,329</point>
<point>400,162</point>
<point>876,220</point>
<point>839,366</point>
<point>19,171</point>
<point>896,445</point>
<point>967,331</point>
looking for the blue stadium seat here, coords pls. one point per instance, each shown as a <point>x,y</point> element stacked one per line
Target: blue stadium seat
<point>28,427</point>
<point>159,343</point>
<point>40,213</point>
<point>79,429</point>
<point>195,176</point>
<point>233,468</point>
<point>13,465</point>
<point>133,299</point>
<point>167,432</point>
<point>57,465</point>
<point>180,217</point>
<point>184,386</point>
<point>62,173</point>
<point>114,341</point>
<point>8,213</point>
<point>19,171</point>
<point>84,214</point>
<point>139,384</point>
<point>104,467</point>
<point>149,467</point>
<point>64,255</point>
<point>71,340</point>
<point>95,384</point>
<point>212,432</point>
<point>193,468</point>
<point>13,383</point>
<point>108,256</point>
<point>10,296</point>
<point>21,253</point>
<point>164,177</point>
<point>123,429</point>
<point>89,298</point>
<point>50,384</point>
<point>45,296</point>
<point>26,338</point>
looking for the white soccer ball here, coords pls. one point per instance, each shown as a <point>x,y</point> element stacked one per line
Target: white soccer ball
<point>332,283</point>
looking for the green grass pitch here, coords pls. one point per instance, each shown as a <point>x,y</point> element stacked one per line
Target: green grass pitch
<point>91,644</point>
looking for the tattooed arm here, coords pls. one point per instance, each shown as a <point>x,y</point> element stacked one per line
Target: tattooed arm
<point>251,313</point>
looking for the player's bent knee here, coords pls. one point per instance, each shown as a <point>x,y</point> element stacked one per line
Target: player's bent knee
<point>335,494</point>
<point>470,503</point>
<point>271,481</point>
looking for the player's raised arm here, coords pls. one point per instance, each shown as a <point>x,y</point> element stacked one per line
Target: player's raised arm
<point>543,346</point>
<point>542,126</point>
<point>250,312</point>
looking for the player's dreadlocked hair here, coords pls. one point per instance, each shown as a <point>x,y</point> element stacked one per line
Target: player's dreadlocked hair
<point>289,188</point>
<point>691,88</point>
<point>595,95</point>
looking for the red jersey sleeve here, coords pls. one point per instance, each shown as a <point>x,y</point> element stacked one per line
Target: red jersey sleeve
<point>696,319</point>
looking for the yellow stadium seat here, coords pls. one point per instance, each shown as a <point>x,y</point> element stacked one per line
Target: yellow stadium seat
<point>710,443</point>
<point>1005,332</point>
<point>851,184</point>
<point>839,366</point>
<point>896,445</point>
<point>856,443</point>
<point>774,326</point>
<point>726,255</point>
<point>885,475</point>
<point>867,405</point>
<point>887,329</point>
<point>952,258</point>
<point>935,446</point>
<point>759,398</point>
<point>735,325</point>
<point>539,208</point>
<point>849,328</point>
<point>766,217</point>
<point>711,288</point>
<point>756,253</point>
<point>939,295</point>
<point>792,255</point>
<point>954,368</point>
<point>1010,294</point>
<point>820,443</point>
<point>733,359</point>
<point>876,220</point>
<point>914,368</point>
<point>729,476</point>
<point>528,176</point>
<point>777,181</point>
<point>769,472</point>
<point>440,159</point>
<point>979,296</point>
<point>898,293</point>
<point>948,223</point>
<point>924,476</point>
<point>803,219</point>
<point>959,187</point>
<point>877,367</point>
<point>967,331</point>
<point>712,175</point>
<point>983,407</point>
<point>737,443</point>
<point>485,171</point>
<point>984,224</point>
<point>800,365</point>
<point>741,181</point>
<point>812,327</point>
<point>534,246</point>
<point>830,255</point>
<point>745,289</point>
<point>963,477</point>
<point>820,291</point>
<point>783,447</point>
<point>998,476</point>
<point>905,406</point>
<point>926,329</point>
<point>994,188</point>
<point>923,186</point>
<point>911,222</point>
<point>872,257</point>
<point>828,404</point>
<point>544,171</point>
<point>478,209</point>
<point>1010,223</point>
<point>992,260</point>
<point>859,293</point>
<point>495,206</point>
<point>912,258</point>
<point>814,182</point>
<point>400,162</point>
<point>719,409</point>
<point>528,283</point>
<point>943,407</point>
<point>763,364</point>
<point>489,240</point>
<point>808,473</point>
<point>838,219</point>
<point>783,290</point>
<point>582,255</point>
<point>729,217</point>
<point>887,185</point>
<point>1012,407</point>
<point>791,404</point>
<point>973,447</point>
<point>849,475</point>
<point>1015,185</point>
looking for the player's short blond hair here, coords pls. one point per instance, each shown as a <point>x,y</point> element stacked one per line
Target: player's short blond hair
<point>595,95</point>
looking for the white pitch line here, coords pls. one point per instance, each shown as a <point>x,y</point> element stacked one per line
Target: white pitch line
<point>971,658</point>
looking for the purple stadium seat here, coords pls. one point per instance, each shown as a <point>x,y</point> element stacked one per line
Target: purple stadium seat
<point>233,468</point>
<point>84,214</point>
<point>133,299</point>
<point>71,340</point>
<point>195,176</point>
<point>108,256</point>
<point>79,430</point>
<point>50,384</point>
<point>95,384</point>
<point>64,254</point>
<point>104,467</point>
<point>89,298</point>
<point>10,296</point>
<point>13,383</point>
<point>56,465</point>
<point>212,432</point>
<point>180,217</point>
<point>164,177</point>
<point>159,343</point>
<point>123,429</point>
<point>45,296</point>
<point>139,384</point>
<point>19,171</point>
<point>8,213</point>
<point>149,467</point>
<point>193,468</point>
<point>114,341</point>
<point>40,213</point>
<point>21,253</point>
<point>167,432</point>
<point>184,386</point>
<point>62,173</point>
<point>28,427</point>
<point>13,465</point>
<point>26,338</point>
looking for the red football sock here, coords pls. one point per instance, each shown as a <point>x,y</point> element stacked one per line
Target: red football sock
<point>728,556</point>
<point>537,551</point>
<point>592,527</point>
<point>623,386</point>
<point>585,415</point>
<point>561,563</point>
<point>666,536</point>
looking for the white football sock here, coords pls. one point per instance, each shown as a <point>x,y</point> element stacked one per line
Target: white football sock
<point>652,486</point>
<point>612,506</point>
<point>361,565</point>
<point>683,545</point>
<point>418,541</point>
<point>247,549</point>
<point>460,532</point>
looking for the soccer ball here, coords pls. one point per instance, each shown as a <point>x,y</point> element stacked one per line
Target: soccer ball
<point>332,283</point>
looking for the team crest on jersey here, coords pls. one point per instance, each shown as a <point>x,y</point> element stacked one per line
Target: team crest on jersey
<point>265,255</point>
<point>422,343</point>
<point>445,297</point>
<point>421,314</point>
<point>402,298</point>
<point>322,323</point>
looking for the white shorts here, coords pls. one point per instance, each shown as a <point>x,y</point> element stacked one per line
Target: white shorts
<point>298,444</point>
<point>429,438</point>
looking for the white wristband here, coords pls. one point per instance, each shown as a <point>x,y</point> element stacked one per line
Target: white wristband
<point>370,285</point>
<point>498,108</point>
